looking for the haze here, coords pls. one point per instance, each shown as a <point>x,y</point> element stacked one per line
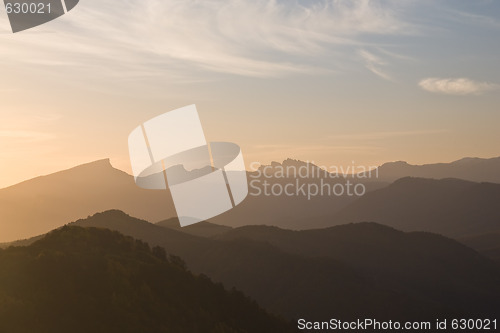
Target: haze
<point>324,81</point>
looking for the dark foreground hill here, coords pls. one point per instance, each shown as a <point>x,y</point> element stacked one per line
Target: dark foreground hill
<point>423,266</point>
<point>95,280</point>
<point>487,244</point>
<point>361,269</point>
<point>351,271</point>
<point>203,229</point>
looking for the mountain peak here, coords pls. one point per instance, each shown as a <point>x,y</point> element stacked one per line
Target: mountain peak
<point>105,162</point>
<point>396,163</point>
<point>467,160</point>
<point>102,165</point>
<point>291,163</point>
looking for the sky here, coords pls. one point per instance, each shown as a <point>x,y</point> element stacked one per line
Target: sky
<point>330,81</point>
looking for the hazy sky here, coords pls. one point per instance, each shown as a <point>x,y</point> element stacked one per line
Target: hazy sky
<point>325,81</point>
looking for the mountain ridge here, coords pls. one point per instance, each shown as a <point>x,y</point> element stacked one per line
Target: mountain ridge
<point>41,204</point>
<point>468,168</point>
<point>44,203</point>
<point>78,279</point>
<point>348,270</point>
<point>452,207</point>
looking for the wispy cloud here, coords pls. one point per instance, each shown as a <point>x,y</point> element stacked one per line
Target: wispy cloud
<point>375,64</point>
<point>457,86</point>
<point>142,38</point>
<point>476,19</point>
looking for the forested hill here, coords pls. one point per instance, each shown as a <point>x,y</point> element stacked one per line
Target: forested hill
<point>95,280</point>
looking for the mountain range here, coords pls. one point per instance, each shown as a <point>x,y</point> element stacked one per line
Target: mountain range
<point>203,229</point>
<point>44,203</point>
<point>451,207</point>
<point>487,244</point>
<point>472,169</point>
<point>41,204</point>
<point>347,270</point>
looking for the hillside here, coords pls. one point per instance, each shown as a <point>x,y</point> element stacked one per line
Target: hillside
<point>44,203</point>
<point>348,270</point>
<point>39,205</point>
<point>295,210</point>
<point>451,207</point>
<point>486,244</point>
<point>95,280</point>
<point>423,265</point>
<point>203,229</point>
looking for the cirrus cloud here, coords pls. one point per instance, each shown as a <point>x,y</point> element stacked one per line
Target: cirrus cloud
<point>180,39</point>
<point>375,64</point>
<point>456,86</point>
